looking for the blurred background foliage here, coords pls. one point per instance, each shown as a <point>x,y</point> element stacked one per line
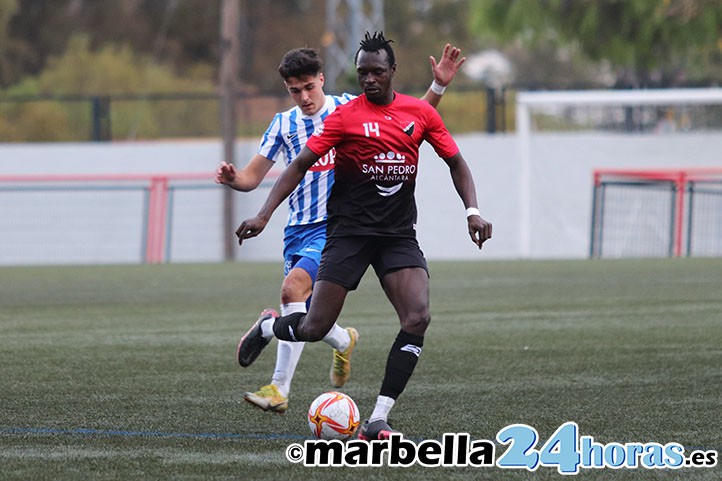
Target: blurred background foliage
<point>643,43</point>
<point>143,47</point>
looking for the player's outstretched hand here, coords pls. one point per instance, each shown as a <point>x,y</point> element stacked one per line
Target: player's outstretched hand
<point>479,230</point>
<point>451,60</point>
<point>250,228</point>
<point>225,174</point>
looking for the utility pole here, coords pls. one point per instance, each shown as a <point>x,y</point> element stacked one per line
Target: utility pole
<point>229,57</point>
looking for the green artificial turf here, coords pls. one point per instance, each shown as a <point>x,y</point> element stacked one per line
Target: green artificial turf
<point>128,372</point>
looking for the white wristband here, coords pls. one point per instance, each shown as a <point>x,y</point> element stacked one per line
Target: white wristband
<point>436,88</point>
<point>472,211</point>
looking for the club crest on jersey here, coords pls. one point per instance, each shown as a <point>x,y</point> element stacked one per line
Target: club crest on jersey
<point>388,191</point>
<point>318,131</point>
<point>409,129</point>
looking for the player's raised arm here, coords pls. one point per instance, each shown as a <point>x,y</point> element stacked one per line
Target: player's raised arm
<point>443,72</point>
<point>286,182</point>
<point>479,229</point>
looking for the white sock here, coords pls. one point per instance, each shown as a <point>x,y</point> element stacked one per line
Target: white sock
<point>293,307</point>
<point>338,338</point>
<point>267,328</point>
<point>286,309</point>
<point>382,408</point>
<point>287,353</point>
<point>287,356</point>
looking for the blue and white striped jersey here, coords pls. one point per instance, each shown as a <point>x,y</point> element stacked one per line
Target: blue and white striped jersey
<point>285,138</point>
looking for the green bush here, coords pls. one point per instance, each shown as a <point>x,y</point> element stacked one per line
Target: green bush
<point>107,71</point>
<point>465,112</point>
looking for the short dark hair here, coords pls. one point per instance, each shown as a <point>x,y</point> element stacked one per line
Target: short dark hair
<point>299,62</point>
<point>376,43</point>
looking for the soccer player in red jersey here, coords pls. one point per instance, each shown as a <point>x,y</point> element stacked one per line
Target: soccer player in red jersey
<point>305,232</point>
<point>371,217</point>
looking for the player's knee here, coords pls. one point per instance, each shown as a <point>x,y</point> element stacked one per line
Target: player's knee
<point>295,288</point>
<point>417,322</point>
<point>289,293</point>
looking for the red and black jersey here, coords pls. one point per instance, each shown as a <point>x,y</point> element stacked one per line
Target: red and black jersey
<point>377,154</point>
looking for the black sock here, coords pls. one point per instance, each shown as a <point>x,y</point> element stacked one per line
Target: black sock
<point>400,364</point>
<point>285,328</point>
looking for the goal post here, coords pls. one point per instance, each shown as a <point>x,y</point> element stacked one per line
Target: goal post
<point>656,213</point>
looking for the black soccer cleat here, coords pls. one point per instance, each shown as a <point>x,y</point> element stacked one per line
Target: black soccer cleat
<point>253,342</point>
<point>378,429</point>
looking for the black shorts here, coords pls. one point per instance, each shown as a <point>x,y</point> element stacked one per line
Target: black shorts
<point>345,259</point>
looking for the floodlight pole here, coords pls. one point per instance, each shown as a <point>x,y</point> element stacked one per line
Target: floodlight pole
<point>229,56</point>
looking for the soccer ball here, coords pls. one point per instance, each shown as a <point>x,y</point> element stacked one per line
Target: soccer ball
<point>333,415</point>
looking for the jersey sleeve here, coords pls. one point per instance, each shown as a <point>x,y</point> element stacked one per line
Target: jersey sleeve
<point>328,135</point>
<point>438,135</point>
<point>272,146</point>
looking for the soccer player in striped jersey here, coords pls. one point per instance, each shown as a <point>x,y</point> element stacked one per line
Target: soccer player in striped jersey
<point>305,233</point>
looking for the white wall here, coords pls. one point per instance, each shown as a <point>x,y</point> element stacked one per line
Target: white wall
<point>561,188</point>
<point>560,192</point>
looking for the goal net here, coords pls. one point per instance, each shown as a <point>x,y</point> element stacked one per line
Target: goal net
<point>655,159</point>
<point>656,213</point>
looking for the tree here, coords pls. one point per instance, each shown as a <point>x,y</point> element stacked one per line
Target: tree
<point>661,43</point>
<point>420,29</point>
<point>109,70</point>
<point>183,33</point>
<point>7,10</point>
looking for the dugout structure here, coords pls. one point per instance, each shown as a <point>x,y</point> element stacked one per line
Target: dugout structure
<point>656,213</point>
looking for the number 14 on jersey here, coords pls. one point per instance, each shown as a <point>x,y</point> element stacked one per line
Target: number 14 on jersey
<point>372,128</point>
